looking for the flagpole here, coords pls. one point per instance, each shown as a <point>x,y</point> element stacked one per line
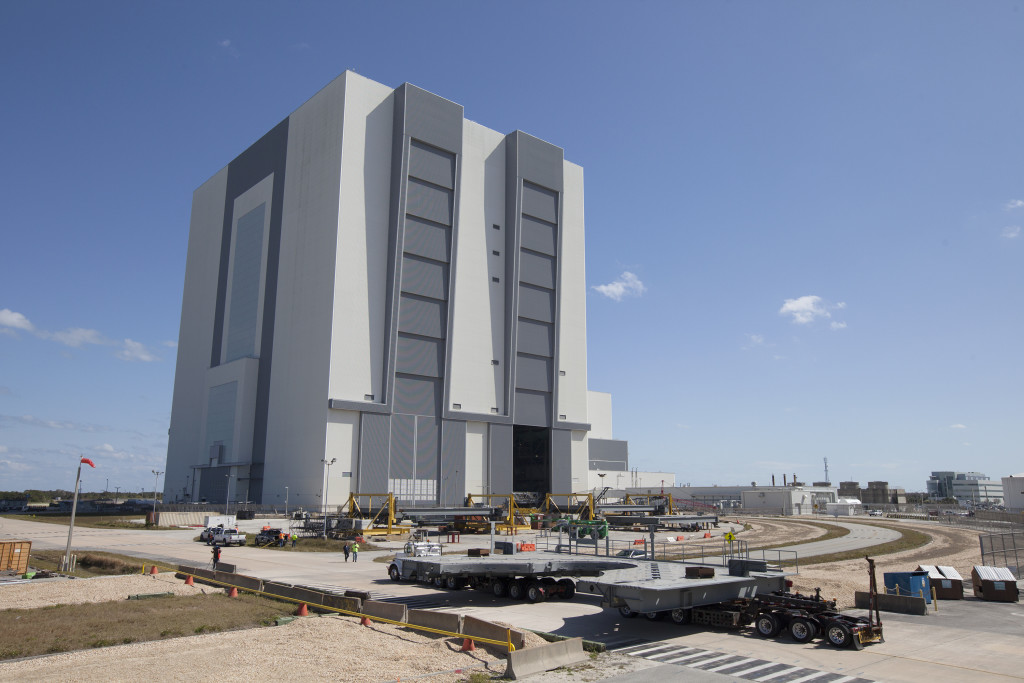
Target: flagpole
<point>71,528</point>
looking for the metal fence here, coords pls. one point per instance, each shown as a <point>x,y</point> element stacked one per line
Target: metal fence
<point>1003,550</point>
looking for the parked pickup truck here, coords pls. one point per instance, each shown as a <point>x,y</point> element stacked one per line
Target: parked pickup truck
<point>227,537</point>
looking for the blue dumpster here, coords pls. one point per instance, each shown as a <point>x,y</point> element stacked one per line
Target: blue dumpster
<point>915,584</point>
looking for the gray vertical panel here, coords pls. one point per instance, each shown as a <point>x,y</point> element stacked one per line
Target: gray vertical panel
<point>417,395</point>
<point>432,165</point>
<point>537,269</point>
<point>540,162</point>
<point>402,435</point>
<point>427,239</point>
<point>425,318</point>
<point>374,437</point>
<point>424,357</point>
<point>213,484</point>
<point>424,278</point>
<point>453,462</point>
<point>533,373</point>
<point>532,409</point>
<point>539,236</point>
<point>501,459</point>
<point>540,203</point>
<point>536,338</point>
<point>561,460</point>
<point>427,201</point>
<point>245,284</point>
<point>431,118</point>
<point>428,443</point>
<point>220,418</point>
<point>536,303</point>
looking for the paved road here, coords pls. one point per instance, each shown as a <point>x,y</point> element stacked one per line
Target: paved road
<point>860,536</point>
<point>952,645</point>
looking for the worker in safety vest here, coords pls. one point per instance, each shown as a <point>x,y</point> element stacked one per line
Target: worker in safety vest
<point>295,539</point>
<point>355,552</point>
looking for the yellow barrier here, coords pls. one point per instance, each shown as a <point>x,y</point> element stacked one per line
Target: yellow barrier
<point>506,643</point>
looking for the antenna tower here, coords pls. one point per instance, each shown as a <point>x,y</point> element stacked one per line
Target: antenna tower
<point>826,471</point>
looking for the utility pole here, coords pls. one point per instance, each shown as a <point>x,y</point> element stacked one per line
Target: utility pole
<point>826,471</point>
<point>327,481</point>
<point>286,501</point>
<point>117,491</point>
<point>156,482</point>
<point>227,498</point>
<point>74,506</point>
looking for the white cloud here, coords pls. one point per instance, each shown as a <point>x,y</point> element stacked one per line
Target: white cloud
<point>1014,204</point>
<point>807,309</point>
<point>756,339</point>
<point>15,320</point>
<point>170,343</point>
<point>958,426</point>
<point>837,325</point>
<point>133,351</point>
<point>1011,231</point>
<point>76,336</point>
<point>627,285</point>
<point>225,43</point>
<point>12,466</point>
<point>34,421</point>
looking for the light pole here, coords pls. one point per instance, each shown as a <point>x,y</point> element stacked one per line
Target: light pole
<point>286,502</point>
<point>155,483</point>
<point>327,480</point>
<point>227,498</point>
<point>117,491</point>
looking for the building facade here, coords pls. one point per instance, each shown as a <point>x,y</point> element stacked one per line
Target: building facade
<point>965,487</point>
<point>1013,492</point>
<point>382,296</point>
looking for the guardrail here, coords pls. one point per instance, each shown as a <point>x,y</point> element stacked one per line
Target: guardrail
<point>507,643</point>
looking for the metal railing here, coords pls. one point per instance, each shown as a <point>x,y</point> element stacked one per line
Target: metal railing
<point>1003,550</point>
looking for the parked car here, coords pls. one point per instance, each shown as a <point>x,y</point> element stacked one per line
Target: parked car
<point>266,536</point>
<point>875,513</point>
<point>227,537</point>
<point>206,535</point>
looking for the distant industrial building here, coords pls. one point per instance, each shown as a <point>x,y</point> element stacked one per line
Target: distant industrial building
<point>792,500</point>
<point>965,487</point>
<point>877,493</point>
<point>1013,491</point>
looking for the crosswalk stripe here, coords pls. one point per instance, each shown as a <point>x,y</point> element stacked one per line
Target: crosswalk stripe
<point>811,677</point>
<point>730,665</point>
<point>713,659</point>
<point>637,653</point>
<point>778,673</point>
<point>756,668</point>
<point>702,653</point>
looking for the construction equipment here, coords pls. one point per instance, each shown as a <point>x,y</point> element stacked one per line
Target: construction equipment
<point>578,505</point>
<point>379,521</point>
<point>514,517</point>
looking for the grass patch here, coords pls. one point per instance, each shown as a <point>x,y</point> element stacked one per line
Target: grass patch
<point>29,632</point>
<point>91,521</point>
<point>314,545</point>
<point>92,563</point>
<point>909,540</point>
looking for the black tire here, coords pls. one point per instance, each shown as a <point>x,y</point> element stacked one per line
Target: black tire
<point>802,630</point>
<point>627,613</point>
<point>452,583</point>
<point>394,573</point>
<point>654,616</point>
<point>438,581</point>
<point>838,634</point>
<point>567,589</point>
<point>767,625</point>
<point>680,616</point>
<point>499,587</point>
<point>535,592</point>
<point>516,590</point>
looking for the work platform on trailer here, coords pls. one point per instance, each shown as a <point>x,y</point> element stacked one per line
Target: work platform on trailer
<point>703,521</point>
<point>643,585</point>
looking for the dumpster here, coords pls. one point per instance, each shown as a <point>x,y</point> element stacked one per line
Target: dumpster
<point>915,584</point>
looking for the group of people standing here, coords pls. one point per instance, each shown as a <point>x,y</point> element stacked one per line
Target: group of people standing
<point>350,549</point>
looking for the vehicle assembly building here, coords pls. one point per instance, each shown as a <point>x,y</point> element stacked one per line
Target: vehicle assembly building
<point>382,296</point>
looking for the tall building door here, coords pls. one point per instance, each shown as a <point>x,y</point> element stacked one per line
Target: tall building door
<point>531,459</point>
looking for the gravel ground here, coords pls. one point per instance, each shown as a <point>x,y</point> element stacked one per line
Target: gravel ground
<point>46,592</point>
<point>952,547</point>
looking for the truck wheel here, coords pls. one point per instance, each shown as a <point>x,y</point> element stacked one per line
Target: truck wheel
<point>680,616</point>
<point>394,573</point>
<point>438,581</point>
<point>568,589</point>
<point>627,612</point>
<point>802,630</point>
<point>499,587</point>
<point>654,616</point>
<point>767,625</point>
<point>535,592</point>
<point>839,634</point>
<point>516,590</point>
<point>452,583</point>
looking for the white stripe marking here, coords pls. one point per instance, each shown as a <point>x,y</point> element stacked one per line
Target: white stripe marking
<point>756,668</point>
<point>843,679</point>
<point>635,653</point>
<point>814,675</point>
<point>779,673</point>
<point>703,653</point>
<point>713,659</point>
<point>729,666</point>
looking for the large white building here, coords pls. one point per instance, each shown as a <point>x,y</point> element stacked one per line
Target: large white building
<point>381,284</point>
<point>1013,491</point>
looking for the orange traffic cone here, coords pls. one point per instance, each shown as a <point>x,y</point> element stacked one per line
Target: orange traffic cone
<point>303,611</point>
<point>707,534</point>
<point>233,593</point>
<point>189,581</point>
<point>154,570</point>
<point>365,621</point>
<point>467,645</point>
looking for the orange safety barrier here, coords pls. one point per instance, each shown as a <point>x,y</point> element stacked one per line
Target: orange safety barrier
<point>638,541</point>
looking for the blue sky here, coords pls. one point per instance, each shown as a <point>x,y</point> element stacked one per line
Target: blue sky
<point>803,218</point>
